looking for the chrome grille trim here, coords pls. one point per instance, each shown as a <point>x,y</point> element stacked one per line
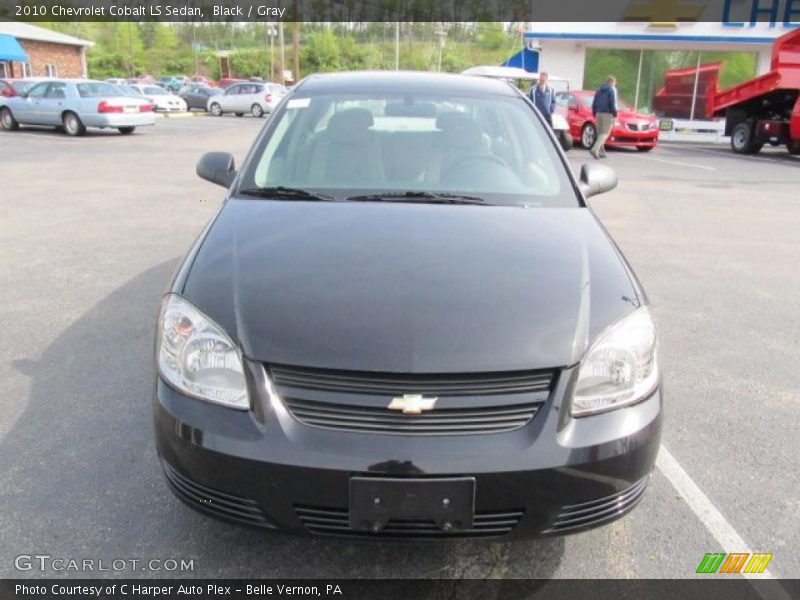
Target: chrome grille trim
<point>458,384</point>
<point>598,511</point>
<point>336,521</point>
<point>445,421</point>
<point>215,502</point>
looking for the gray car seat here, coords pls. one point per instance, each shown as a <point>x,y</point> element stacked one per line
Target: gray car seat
<point>347,152</point>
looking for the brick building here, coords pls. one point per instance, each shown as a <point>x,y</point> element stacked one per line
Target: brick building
<point>30,51</point>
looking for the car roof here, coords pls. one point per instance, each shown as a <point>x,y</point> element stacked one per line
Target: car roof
<point>509,73</point>
<point>403,81</point>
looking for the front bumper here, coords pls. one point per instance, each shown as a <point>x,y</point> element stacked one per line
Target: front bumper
<point>264,468</point>
<point>622,136</point>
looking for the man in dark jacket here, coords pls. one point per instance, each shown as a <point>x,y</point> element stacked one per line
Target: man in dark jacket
<point>544,97</point>
<point>604,109</point>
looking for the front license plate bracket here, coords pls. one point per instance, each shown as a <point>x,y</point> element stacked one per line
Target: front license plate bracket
<point>449,502</point>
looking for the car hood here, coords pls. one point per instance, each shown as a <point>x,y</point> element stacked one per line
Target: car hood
<point>632,115</point>
<point>401,287</point>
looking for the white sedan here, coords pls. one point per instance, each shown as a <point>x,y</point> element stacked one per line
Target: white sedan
<point>256,98</point>
<point>164,100</point>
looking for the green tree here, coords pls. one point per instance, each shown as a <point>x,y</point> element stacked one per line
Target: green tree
<point>322,52</point>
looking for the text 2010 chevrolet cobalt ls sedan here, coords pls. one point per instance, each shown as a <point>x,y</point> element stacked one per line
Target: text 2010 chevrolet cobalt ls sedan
<point>404,321</point>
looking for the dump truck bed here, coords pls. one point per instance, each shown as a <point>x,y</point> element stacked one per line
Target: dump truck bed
<point>784,75</point>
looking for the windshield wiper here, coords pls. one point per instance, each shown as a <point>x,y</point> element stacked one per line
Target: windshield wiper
<point>287,193</point>
<point>418,196</point>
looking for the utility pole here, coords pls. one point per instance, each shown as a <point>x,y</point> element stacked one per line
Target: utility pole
<point>194,46</point>
<point>397,45</point>
<point>296,47</point>
<point>130,51</point>
<point>282,64</point>
<point>271,33</point>
<point>441,34</point>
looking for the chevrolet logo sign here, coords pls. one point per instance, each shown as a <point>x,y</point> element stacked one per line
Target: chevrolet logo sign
<point>412,404</point>
<point>663,13</point>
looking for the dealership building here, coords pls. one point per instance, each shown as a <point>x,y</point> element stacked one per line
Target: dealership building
<point>30,51</point>
<point>562,49</point>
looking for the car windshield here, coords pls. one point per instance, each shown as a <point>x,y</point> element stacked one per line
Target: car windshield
<point>97,89</point>
<point>588,98</point>
<point>491,147</point>
<point>153,90</point>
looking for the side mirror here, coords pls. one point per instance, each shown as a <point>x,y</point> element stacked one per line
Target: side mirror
<point>217,167</point>
<point>597,179</point>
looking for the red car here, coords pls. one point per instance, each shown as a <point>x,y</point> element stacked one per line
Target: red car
<point>204,81</point>
<point>226,83</point>
<point>17,87</point>
<point>631,128</point>
<point>6,89</point>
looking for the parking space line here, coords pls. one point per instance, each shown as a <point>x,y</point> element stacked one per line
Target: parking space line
<point>714,521</point>
<point>40,136</point>
<point>775,160</point>
<point>675,162</point>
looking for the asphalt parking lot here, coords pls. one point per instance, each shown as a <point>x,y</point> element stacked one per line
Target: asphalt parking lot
<point>93,227</point>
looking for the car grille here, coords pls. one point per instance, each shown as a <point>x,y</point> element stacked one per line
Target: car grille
<point>391,384</point>
<point>639,126</point>
<point>214,502</point>
<point>596,512</point>
<point>448,421</point>
<point>357,401</point>
<point>336,521</point>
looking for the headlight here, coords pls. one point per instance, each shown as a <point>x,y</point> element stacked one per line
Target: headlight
<point>197,357</point>
<point>620,368</point>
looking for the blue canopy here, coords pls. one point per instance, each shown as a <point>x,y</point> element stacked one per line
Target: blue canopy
<point>524,59</point>
<point>10,49</point>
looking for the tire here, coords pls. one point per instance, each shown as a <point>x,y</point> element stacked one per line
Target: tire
<point>126,130</point>
<point>793,147</point>
<point>565,139</point>
<point>7,120</point>
<point>588,135</point>
<point>73,125</point>
<point>239,114</point>
<point>742,139</point>
<point>644,148</point>
<point>215,109</point>
<point>257,111</point>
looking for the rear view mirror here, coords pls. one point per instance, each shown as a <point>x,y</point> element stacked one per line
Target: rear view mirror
<point>217,167</point>
<point>596,179</point>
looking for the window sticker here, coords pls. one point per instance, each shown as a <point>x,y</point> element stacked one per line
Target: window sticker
<point>298,103</point>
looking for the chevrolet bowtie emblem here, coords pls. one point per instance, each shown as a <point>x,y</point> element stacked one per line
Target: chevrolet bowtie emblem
<point>412,404</point>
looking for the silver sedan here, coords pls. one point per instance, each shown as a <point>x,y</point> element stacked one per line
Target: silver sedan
<point>74,105</point>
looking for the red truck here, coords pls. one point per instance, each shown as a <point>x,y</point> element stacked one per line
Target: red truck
<point>675,98</point>
<point>765,109</point>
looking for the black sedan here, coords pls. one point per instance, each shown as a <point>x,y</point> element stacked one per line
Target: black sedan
<point>405,321</point>
<point>196,95</point>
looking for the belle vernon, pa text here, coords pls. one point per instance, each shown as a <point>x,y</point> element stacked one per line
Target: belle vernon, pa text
<point>167,591</point>
<point>164,10</point>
